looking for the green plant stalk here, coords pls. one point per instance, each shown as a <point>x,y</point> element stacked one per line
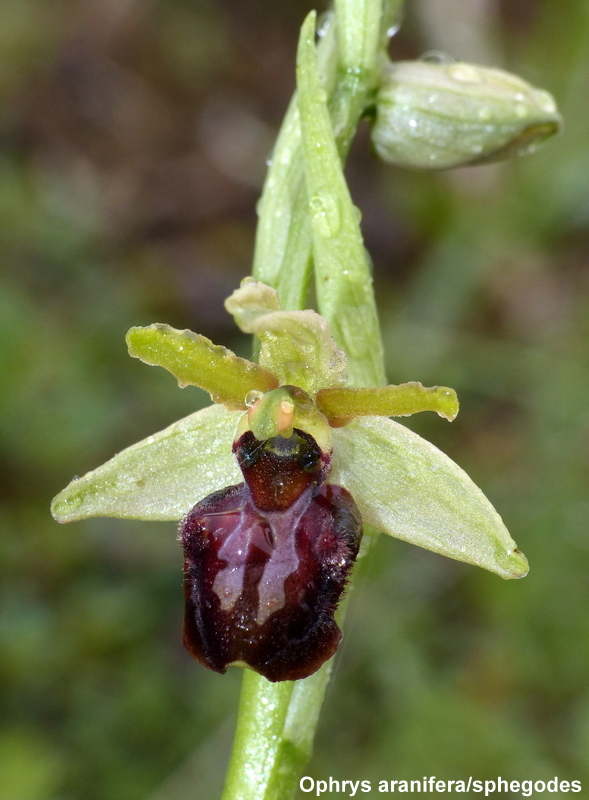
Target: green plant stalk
<point>276,722</point>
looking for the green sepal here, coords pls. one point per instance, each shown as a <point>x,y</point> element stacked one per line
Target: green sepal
<point>161,477</point>
<point>407,488</point>
<point>195,361</point>
<point>341,405</point>
<point>297,346</point>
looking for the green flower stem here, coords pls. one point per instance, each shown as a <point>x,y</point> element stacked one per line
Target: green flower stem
<point>276,722</point>
<point>274,735</point>
<point>275,729</point>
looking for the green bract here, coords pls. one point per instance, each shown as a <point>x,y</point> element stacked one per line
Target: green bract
<point>402,485</point>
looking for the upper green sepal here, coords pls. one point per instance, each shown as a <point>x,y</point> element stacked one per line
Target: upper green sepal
<point>406,487</point>
<point>161,477</point>
<point>443,115</point>
<point>195,361</point>
<point>297,346</point>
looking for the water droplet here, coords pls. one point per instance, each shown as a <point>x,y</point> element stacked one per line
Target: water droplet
<point>484,113</point>
<point>324,24</point>
<point>545,101</point>
<point>527,149</point>
<point>521,110</point>
<point>76,478</point>
<point>437,57</point>
<point>465,73</point>
<point>396,22</point>
<point>412,123</point>
<point>252,397</point>
<point>325,214</point>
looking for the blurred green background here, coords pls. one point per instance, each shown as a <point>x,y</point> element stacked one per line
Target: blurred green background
<point>133,144</point>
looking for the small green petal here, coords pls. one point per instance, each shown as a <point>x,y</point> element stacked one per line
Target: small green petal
<point>195,361</point>
<point>341,405</point>
<point>406,487</point>
<point>161,477</point>
<point>296,345</point>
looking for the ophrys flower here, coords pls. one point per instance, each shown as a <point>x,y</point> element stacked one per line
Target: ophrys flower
<point>273,481</point>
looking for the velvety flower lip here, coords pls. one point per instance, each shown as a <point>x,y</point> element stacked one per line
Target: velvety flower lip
<point>266,561</point>
<point>402,484</point>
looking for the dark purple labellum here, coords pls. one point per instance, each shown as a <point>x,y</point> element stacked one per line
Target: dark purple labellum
<point>266,562</point>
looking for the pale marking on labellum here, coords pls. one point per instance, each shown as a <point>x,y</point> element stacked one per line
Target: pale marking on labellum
<point>282,562</point>
<point>228,585</point>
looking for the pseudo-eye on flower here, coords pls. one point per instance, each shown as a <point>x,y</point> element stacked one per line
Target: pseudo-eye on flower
<point>273,482</point>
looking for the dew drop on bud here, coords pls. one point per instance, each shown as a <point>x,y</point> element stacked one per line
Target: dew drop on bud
<point>325,214</point>
<point>465,73</point>
<point>437,57</point>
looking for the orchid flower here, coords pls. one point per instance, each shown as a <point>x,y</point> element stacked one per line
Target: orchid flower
<point>319,440</point>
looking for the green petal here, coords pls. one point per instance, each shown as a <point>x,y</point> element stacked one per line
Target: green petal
<point>406,487</point>
<point>161,477</point>
<point>195,361</point>
<point>297,346</point>
<point>341,405</point>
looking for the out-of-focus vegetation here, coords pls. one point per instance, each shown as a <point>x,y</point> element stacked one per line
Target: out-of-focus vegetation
<point>134,137</point>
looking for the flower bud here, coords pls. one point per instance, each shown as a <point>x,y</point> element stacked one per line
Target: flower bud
<point>433,115</point>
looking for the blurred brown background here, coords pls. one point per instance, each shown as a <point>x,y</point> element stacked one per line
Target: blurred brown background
<point>134,137</point>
